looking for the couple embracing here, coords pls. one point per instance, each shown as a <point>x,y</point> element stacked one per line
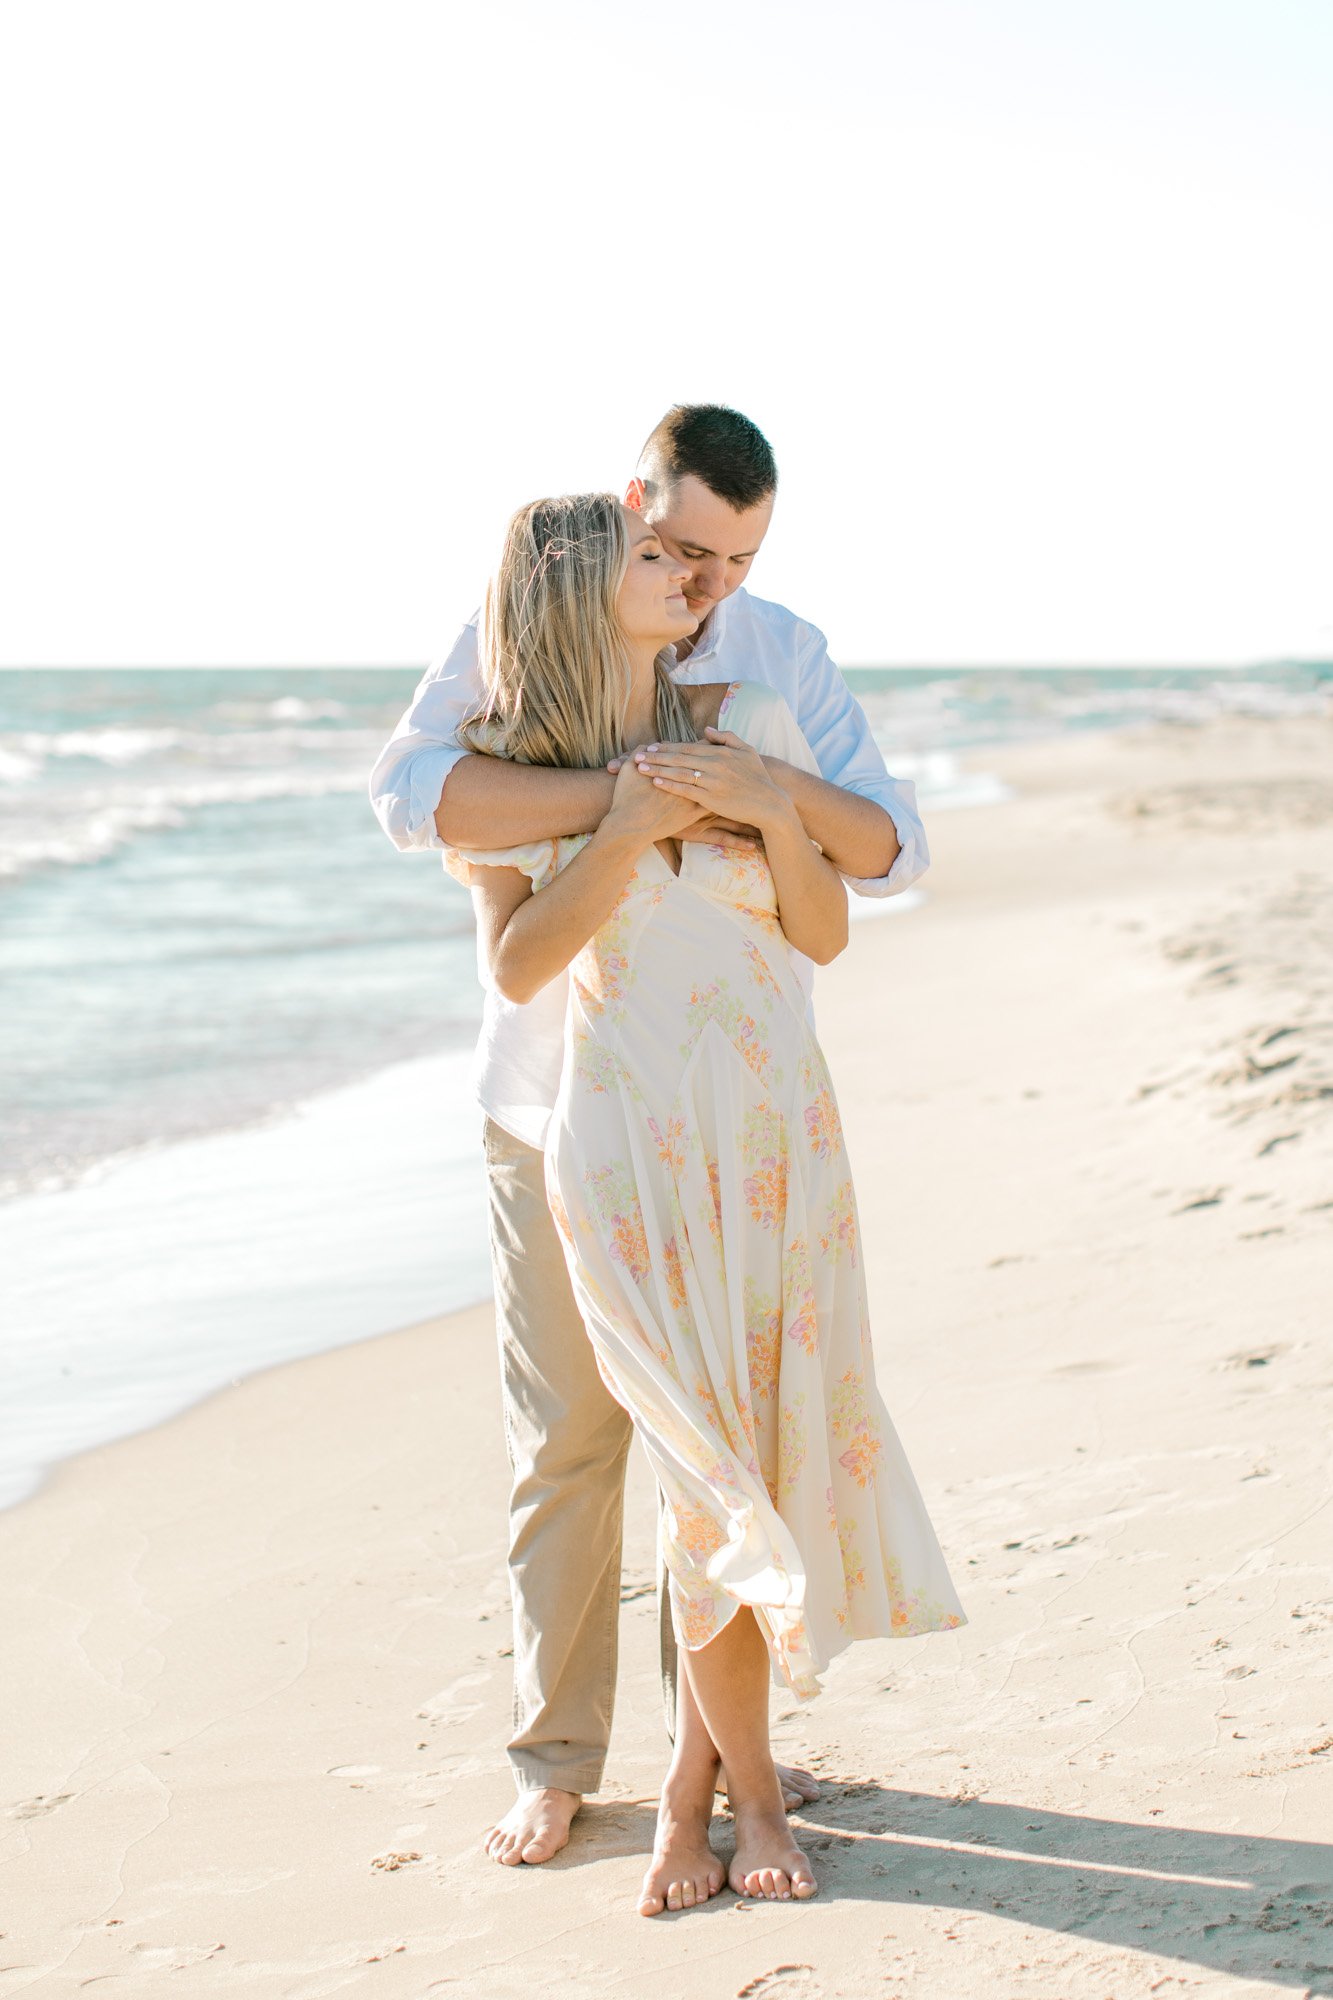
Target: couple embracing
<point>658,789</point>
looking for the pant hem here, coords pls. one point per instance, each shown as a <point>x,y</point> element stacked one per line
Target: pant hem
<point>583,1778</point>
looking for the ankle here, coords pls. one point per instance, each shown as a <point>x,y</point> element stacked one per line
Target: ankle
<point>759,1792</point>
<point>690,1789</point>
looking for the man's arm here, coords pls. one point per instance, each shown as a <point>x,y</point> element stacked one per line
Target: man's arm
<point>855,810</point>
<point>489,802</point>
<point>411,769</point>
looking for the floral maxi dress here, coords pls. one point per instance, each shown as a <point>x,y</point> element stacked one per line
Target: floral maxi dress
<point>696,1170</point>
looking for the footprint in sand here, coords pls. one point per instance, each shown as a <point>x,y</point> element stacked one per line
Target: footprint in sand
<point>1255,1357</point>
<point>1208,1199</point>
<point>785,1982</point>
<point>447,1707</point>
<point>42,1804</point>
<point>173,1957</point>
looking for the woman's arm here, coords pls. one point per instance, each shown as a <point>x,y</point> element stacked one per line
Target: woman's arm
<point>529,939</point>
<point>812,899</point>
<point>856,833</point>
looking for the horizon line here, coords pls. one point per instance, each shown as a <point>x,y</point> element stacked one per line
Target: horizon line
<point>852,667</point>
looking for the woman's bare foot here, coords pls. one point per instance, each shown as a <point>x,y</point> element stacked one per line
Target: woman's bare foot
<point>685,1871</point>
<point>799,1787</point>
<point>535,1827</point>
<point>767,1861</point>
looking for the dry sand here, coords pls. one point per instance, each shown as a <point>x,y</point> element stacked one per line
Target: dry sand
<point>257,1663</point>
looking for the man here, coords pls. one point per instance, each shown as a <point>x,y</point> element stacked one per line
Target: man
<point>706,481</point>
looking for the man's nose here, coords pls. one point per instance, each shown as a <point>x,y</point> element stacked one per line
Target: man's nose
<point>708,582</point>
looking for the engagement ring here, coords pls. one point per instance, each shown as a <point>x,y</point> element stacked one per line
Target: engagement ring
<point>697,776</point>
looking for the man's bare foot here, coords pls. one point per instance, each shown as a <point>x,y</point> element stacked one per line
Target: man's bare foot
<point>535,1827</point>
<point>767,1861</point>
<point>799,1787</point>
<point>685,1871</point>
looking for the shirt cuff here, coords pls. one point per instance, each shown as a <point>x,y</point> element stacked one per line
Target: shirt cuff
<point>426,779</point>
<point>909,865</point>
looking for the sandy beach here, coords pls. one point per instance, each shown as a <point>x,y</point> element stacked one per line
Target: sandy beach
<point>256,1676</point>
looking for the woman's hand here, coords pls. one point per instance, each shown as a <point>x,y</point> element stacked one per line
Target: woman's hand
<point>646,812</point>
<point>724,776</point>
<point>711,827</point>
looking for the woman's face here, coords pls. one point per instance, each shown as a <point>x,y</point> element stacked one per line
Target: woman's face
<point>651,605</point>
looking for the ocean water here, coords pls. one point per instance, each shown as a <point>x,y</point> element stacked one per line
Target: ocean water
<point>235,1118</point>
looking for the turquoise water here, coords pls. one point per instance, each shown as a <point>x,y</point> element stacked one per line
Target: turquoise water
<point>201,921</point>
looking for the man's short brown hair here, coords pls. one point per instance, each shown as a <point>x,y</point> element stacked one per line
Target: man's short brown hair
<point>725,450</point>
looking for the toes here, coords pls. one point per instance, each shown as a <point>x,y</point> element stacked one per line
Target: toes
<point>803,1885</point>
<point>651,1904</point>
<point>673,1896</point>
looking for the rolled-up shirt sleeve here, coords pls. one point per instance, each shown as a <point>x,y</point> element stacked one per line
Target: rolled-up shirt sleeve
<point>409,773</point>
<point>835,726</point>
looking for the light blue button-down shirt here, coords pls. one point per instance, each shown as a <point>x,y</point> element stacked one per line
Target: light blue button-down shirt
<point>517,1072</point>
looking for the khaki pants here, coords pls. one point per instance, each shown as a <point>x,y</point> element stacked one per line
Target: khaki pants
<point>567,1440</point>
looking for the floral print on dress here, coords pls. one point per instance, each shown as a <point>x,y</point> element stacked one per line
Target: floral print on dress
<point>800,1313</point>
<point>838,1236</point>
<point>616,1203</point>
<point>852,1419</point>
<point>698,1173</point>
<point>763,1338</point>
<point>791,1444</point>
<point>823,1127</point>
<point>717,1002</point>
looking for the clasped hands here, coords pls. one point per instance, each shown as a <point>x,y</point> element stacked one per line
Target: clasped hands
<point>719,790</point>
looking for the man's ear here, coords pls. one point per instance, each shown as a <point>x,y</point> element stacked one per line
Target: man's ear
<point>635,495</point>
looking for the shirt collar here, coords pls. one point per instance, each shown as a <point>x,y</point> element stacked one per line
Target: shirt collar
<point>709,646</point>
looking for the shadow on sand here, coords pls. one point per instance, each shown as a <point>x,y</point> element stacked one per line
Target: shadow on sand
<point>1253,1907</point>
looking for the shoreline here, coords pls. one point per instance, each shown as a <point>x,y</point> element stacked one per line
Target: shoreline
<point>260,1668</point>
<point>271,1149</point>
<point>398,1147</point>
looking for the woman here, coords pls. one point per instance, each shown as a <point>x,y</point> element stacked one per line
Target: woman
<point>695,1163</point>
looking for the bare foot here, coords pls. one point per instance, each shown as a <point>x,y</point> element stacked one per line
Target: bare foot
<point>767,1861</point>
<point>535,1827</point>
<point>685,1871</point>
<point>799,1787</point>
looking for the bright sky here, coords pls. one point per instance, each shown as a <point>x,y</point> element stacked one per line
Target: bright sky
<point>1033,297</point>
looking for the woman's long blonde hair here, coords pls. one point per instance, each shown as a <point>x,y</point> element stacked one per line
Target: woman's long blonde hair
<point>553,658</point>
